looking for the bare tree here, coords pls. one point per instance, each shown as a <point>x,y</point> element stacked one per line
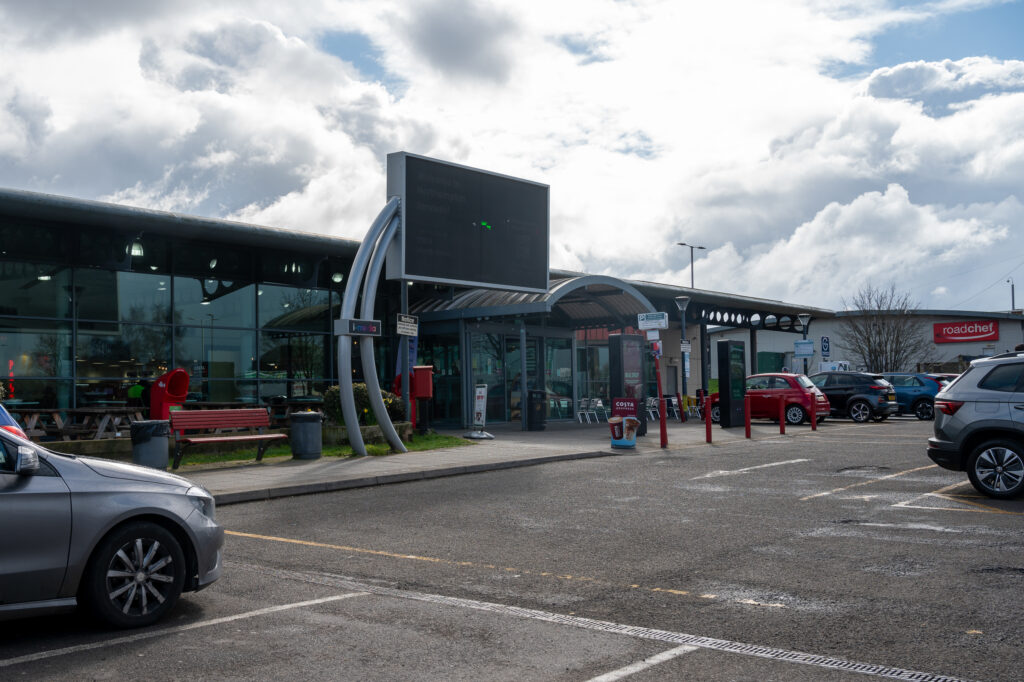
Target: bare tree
<point>882,334</point>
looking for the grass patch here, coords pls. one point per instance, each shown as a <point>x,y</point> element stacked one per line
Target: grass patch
<point>430,441</point>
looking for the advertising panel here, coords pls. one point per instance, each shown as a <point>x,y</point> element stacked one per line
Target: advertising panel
<point>965,332</point>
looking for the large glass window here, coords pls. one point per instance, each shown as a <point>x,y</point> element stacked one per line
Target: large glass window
<point>221,391</point>
<point>486,359</point>
<point>295,356</point>
<point>122,296</point>
<point>207,352</point>
<point>442,352</point>
<point>292,308</point>
<point>220,303</point>
<point>122,350</point>
<point>35,289</point>
<point>35,348</point>
<point>558,377</point>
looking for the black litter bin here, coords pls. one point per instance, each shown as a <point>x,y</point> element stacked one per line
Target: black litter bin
<point>306,435</point>
<point>149,442</point>
<point>536,415</point>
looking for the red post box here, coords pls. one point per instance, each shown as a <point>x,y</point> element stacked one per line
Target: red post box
<point>422,382</point>
<point>169,390</point>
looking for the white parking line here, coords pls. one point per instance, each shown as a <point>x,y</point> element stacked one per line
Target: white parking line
<point>743,471</point>
<point>623,673</point>
<point>680,638</point>
<point>170,631</point>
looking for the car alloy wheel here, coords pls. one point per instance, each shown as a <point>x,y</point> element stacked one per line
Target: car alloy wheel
<point>716,414</point>
<point>135,575</point>
<point>795,414</point>
<point>860,411</point>
<point>996,469</point>
<point>924,410</point>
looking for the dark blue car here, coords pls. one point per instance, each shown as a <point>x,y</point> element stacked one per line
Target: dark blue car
<point>915,393</point>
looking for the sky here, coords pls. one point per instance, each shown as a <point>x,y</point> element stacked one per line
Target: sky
<point>814,147</point>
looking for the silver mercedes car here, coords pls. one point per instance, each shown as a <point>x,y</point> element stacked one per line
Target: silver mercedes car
<point>123,540</point>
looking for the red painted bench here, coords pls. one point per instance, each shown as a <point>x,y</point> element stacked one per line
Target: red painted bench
<point>252,419</point>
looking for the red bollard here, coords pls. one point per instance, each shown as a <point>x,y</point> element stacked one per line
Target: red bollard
<point>782,416</point>
<point>707,417</point>
<point>814,413</point>
<point>746,412</point>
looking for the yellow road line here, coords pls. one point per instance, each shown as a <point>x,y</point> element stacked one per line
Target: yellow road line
<point>473,564</point>
<point>874,480</point>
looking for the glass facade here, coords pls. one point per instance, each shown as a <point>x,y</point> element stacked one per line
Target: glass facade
<point>88,315</point>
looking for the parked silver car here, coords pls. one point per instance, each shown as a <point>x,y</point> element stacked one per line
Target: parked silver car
<point>979,425</point>
<point>123,540</point>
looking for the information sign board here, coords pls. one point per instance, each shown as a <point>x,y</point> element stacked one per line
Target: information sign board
<point>407,325</point>
<point>652,321</point>
<point>480,406</point>
<point>803,349</point>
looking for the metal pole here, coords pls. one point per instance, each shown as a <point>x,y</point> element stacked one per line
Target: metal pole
<point>661,404</point>
<point>403,348</point>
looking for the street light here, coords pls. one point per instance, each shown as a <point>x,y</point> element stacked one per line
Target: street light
<point>1013,303</point>
<point>681,303</point>
<point>692,247</point>
<point>805,319</point>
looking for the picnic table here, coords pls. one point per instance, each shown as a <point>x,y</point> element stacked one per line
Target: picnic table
<point>79,422</point>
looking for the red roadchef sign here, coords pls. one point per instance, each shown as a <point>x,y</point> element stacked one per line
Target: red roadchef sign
<point>961,332</point>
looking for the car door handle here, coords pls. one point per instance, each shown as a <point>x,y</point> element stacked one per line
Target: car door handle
<point>1018,406</point>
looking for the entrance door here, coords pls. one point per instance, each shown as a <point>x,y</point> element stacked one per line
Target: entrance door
<point>513,371</point>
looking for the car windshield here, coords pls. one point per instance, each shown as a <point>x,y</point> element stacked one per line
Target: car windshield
<point>804,381</point>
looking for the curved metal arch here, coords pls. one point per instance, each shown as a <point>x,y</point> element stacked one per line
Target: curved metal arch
<point>366,345</point>
<point>566,287</point>
<point>348,308</point>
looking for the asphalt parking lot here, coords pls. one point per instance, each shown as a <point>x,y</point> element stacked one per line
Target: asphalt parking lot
<point>828,555</point>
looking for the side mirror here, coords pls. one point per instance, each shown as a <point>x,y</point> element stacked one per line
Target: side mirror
<point>27,462</point>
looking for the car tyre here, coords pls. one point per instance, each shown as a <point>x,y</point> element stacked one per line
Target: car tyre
<point>880,417</point>
<point>135,575</point>
<point>996,469</point>
<point>859,411</point>
<point>716,414</point>
<point>795,414</point>
<point>924,410</point>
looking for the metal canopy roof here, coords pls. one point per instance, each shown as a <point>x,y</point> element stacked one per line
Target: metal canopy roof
<point>581,301</point>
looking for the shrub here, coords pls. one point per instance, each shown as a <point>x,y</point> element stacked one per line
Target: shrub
<point>332,405</point>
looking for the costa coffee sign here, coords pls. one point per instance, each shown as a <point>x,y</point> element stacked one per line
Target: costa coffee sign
<point>961,332</point>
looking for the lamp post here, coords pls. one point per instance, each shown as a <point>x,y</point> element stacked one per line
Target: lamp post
<point>691,247</point>
<point>805,319</point>
<point>1013,303</point>
<point>681,303</point>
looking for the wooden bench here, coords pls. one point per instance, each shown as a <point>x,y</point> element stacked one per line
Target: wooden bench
<point>219,420</point>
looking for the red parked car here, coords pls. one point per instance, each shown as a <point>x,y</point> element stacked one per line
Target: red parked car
<point>765,391</point>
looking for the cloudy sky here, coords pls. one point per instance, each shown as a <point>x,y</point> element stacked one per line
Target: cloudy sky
<point>813,146</point>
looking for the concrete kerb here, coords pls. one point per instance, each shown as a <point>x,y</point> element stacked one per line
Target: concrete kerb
<point>313,487</point>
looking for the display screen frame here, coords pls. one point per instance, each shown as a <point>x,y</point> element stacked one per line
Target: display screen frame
<point>468,227</point>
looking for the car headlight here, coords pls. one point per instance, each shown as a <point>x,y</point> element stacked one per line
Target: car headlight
<point>202,501</point>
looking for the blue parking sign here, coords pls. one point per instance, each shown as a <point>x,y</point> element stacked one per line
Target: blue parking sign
<point>825,346</point>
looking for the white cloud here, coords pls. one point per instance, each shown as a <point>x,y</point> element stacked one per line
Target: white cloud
<point>653,122</point>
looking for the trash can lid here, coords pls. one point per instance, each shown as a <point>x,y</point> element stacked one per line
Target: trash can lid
<point>308,416</point>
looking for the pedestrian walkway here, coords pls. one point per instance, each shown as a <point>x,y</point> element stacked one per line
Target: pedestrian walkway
<point>511,447</point>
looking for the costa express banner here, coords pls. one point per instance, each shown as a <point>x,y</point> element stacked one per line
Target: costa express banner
<point>961,332</point>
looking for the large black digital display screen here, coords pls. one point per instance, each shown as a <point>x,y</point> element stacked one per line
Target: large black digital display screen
<point>468,227</point>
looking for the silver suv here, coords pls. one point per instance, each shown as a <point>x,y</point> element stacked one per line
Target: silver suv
<point>979,425</point>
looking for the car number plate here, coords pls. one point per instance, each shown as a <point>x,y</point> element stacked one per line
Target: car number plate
<point>892,396</point>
